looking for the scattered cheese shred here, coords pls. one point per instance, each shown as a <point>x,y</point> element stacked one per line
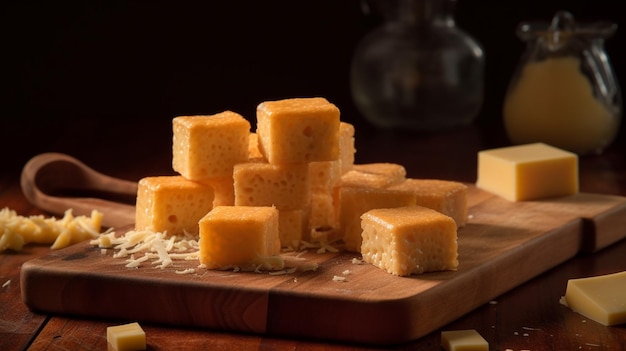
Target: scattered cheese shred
<point>17,231</point>
<point>162,251</point>
<point>158,248</point>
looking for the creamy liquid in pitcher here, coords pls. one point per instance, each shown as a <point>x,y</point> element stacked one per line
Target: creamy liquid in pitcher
<point>553,103</point>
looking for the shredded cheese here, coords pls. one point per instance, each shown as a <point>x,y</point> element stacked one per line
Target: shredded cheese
<point>17,231</point>
<point>161,250</point>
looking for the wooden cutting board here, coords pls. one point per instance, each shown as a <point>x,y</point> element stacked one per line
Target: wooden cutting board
<point>503,245</point>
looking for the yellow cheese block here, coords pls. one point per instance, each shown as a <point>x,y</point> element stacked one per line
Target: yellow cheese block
<point>254,154</point>
<point>601,298</point>
<point>447,197</point>
<point>223,190</point>
<point>346,146</point>
<point>298,130</point>
<point>171,204</point>
<point>322,212</point>
<point>374,175</point>
<point>209,146</point>
<point>126,337</point>
<point>528,172</point>
<point>355,201</point>
<point>463,340</point>
<point>325,175</point>
<point>409,240</point>
<point>291,228</point>
<point>287,187</point>
<point>239,236</point>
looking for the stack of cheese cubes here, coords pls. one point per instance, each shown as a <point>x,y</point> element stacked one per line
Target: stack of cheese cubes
<point>294,181</point>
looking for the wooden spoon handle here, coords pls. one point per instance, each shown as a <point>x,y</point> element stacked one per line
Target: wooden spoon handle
<point>48,172</point>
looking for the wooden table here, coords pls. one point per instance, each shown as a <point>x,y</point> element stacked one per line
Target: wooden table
<point>528,317</point>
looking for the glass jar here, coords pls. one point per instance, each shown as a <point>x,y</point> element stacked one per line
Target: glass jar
<point>564,92</point>
<point>418,70</point>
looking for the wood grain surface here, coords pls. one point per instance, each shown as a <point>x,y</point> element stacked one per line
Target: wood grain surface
<point>503,245</point>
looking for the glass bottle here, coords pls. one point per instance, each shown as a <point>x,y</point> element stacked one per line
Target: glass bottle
<point>418,70</point>
<point>564,92</point>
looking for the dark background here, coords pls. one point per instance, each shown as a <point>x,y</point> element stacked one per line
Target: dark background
<point>74,69</point>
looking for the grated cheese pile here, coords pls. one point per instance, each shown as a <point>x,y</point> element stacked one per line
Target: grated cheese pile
<point>157,247</point>
<point>163,250</point>
<point>17,231</point>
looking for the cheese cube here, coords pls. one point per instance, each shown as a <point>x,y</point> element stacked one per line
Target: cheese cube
<point>290,228</point>
<point>171,204</point>
<point>322,212</point>
<point>346,146</point>
<point>409,240</point>
<point>209,146</point>
<point>298,130</point>
<point>286,187</point>
<point>601,298</point>
<point>394,171</point>
<point>324,175</point>
<point>239,236</point>
<point>463,340</point>
<point>447,197</point>
<point>223,190</point>
<point>375,175</point>
<point>528,172</point>
<point>355,201</point>
<point>254,154</point>
<point>126,337</point>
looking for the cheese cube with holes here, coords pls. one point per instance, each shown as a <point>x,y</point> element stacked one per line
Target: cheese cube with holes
<point>322,212</point>
<point>254,154</point>
<point>355,201</point>
<point>223,190</point>
<point>291,228</point>
<point>346,146</point>
<point>528,172</point>
<point>171,204</point>
<point>239,236</point>
<point>374,175</point>
<point>324,175</point>
<point>447,197</point>
<point>209,146</point>
<point>286,187</point>
<point>298,130</point>
<point>409,240</point>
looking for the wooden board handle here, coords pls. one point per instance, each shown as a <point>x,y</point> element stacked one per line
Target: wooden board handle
<point>56,182</point>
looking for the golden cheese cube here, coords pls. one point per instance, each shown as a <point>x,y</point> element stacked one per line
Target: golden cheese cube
<point>239,236</point>
<point>322,212</point>
<point>290,228</point>
<point>374,175</point>
<point>171,204</point>
<point>355,201</point>
<point>325,175</point>
<point>209,146</point>
<point>286,187</point>
<point>346,146</point>
<point>447,197</point>
<point>601,298</point>
<point>126,337</point>
<point>298,130</point>
<point>409,240</point>
<point>223,190</point>
<point>528,172</point>
<point>463,340</point>
<point>254,154</point>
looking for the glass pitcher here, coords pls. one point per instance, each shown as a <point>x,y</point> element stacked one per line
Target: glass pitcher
<point>564,91</point>
<point>419,70</point>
